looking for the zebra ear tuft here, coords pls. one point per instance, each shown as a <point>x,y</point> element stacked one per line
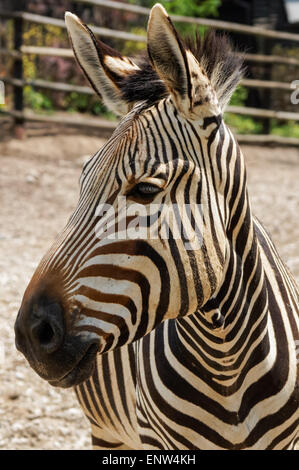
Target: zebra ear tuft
<point>179,69</point>
<point>168,55</point>
<point>104,67</point>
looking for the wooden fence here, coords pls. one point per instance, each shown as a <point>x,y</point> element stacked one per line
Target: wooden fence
<point>18,82</point>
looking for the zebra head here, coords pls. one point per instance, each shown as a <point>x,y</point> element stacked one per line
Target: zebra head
<point>148,239</point>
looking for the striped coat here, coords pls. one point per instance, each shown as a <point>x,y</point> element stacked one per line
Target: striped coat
<point>163,301</point>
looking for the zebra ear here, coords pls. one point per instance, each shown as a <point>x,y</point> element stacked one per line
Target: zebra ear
<point>168,56</point>
<point>184,77</point>
<point>104,67</point>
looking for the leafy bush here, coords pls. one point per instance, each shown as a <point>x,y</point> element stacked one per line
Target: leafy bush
<point>288,129</point>
<point>37,100</point>
<point>130,48</point>
<point>199,8</point>
<point>193,8</point>
<point>239,97</point>
<point>185,8</point>
<point>76,102</point>
<point>243,124</point>
<point>248,125</point>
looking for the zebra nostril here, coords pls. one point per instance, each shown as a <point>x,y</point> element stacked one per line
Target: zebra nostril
<point>47,330</point>
<point>44,333</point>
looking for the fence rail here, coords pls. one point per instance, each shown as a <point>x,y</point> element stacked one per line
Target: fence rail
<point>250,83</point>
<point>257,112</point>
<point>18,82</point>
<point>223,25</point>
<point>61,52</point>
<point>106,125</point>
<point>104,32</point>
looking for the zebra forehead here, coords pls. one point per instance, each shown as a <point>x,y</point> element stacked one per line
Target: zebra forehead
<point>126,133</point>
<point>137,140</point>
<point>109,153</point>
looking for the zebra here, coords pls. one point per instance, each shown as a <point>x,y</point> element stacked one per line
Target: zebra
<point>168,343</point>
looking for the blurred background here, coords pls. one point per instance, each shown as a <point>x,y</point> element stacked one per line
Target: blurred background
<point>51,122</point>
<point>43,80</point>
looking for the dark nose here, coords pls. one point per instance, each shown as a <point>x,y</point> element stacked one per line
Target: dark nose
<point>42,327</point>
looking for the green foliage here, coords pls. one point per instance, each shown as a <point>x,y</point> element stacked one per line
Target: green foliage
<point>133,47</point>
<point>248,125</point>
<point>185,7</point>
<point>243,124</point>
<point>76,102</point>
<point>37,100</point>
<point>239,97</point>
<point>193,8</point>
<point>288,129</point>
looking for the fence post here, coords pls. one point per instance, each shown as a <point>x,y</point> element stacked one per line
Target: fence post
<point>19,129</point>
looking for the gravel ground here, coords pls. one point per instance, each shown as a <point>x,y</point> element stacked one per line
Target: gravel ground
<point>38,191</point>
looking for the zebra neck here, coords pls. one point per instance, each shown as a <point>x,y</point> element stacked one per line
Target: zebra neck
<point>236,317</point>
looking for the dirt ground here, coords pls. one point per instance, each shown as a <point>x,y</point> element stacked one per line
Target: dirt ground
<point>38,191</point>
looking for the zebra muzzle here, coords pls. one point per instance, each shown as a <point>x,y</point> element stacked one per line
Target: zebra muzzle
<point>57,355</point>
<point>81,371</point>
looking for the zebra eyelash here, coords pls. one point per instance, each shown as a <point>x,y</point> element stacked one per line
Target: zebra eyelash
<point>144,190</point>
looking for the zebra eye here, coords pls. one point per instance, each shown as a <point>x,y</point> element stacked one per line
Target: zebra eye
<point>144,190</point>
